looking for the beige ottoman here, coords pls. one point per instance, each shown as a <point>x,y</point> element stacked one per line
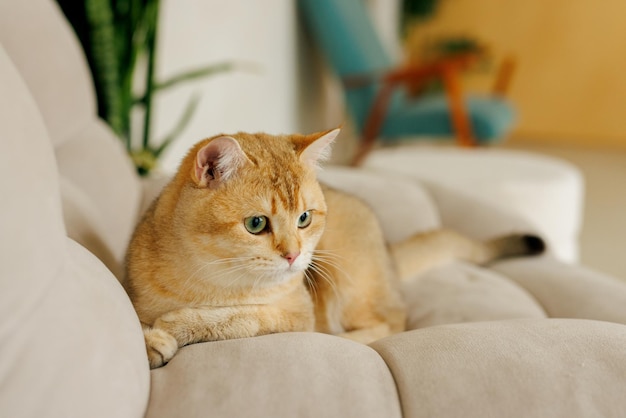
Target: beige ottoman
<point>545,192</point>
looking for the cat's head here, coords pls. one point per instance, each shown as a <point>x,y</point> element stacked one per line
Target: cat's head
<point>250,208</point>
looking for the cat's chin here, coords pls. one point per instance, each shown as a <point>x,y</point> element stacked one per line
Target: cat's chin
<point>276,279</point>
<point>280,275</point>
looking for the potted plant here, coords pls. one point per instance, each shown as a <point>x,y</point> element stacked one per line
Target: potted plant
<point>119,38</point>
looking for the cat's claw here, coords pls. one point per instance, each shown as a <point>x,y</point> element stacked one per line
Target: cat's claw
<point>160,346</point>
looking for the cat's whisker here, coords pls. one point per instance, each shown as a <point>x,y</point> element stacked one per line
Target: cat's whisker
<point>230,260</point>
<point>259,276</point>
<point>329,252</point>
<point>201,267</point>
<point>262,274</point>
<point>328,256</point>
<point>242,270</point>
<point>237,272</point>
<point>323,273</point>
<point>333,261</point>
<point>256,281</point>
<point>237,278</point>
<point>311,283</point>
<point>323,276</point>
<point>207,264</point>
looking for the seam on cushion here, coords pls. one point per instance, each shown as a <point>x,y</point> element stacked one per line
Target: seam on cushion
<point>512,281</point>
<point>99,128</point>
<point>517,284</point>
<point>393,377</point>
<point>26,308</point>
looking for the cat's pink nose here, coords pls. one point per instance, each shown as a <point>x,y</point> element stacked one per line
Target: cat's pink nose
<point>291,257</point>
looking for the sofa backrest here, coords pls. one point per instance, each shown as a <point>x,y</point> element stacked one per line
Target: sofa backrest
<point>71,343</point>
<point>100,191</point>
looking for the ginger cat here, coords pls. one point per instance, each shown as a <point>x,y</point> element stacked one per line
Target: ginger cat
<point>244,241</point>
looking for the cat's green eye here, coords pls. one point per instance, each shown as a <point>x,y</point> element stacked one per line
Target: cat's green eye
<point>255,224</point>
<point>305,219</point>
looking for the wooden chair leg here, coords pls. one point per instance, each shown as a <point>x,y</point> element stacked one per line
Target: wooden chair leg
<point>373,124</point>
<point>504,76</point>
<point>365,147</point>
<point>458,112</point>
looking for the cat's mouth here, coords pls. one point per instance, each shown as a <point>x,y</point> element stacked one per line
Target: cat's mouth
<point>283,271</point>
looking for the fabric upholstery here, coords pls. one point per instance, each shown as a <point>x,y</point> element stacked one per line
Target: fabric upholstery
<point>545,192</point>
<point>462,211</point>
<point>491,118</point>
<point>567,291</point>
<point>39,25</point>
<point>85,226</point>
<point>452,293</point>
<point>460,292</point>
<point>72,344</point>
<point>393,199</point>
<point>33,235</point>
<point>527,368</point>
<point>346,34</point>
<point>95,163</point>
<point>90,158</point>
<point>281,375</point>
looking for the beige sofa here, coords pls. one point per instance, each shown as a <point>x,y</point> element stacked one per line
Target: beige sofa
<point>486,341</point>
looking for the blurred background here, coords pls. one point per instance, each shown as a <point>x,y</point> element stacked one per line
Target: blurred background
<point>223,67</point>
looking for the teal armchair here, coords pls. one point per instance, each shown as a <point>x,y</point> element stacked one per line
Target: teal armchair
<point>376,91</point>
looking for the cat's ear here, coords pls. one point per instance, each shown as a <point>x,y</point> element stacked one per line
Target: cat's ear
<point>316,148</point>
<point>218,161</point>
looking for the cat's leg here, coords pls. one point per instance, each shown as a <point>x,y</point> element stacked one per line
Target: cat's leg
<point>185,326</point>
<point>160,346</point>
<point>192,325</point>
<point>366,323</point>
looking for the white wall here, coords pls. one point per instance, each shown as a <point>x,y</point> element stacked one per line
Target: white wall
<point>288,94</point>
<point>195,33</point>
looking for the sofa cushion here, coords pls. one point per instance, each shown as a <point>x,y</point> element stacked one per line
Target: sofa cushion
<point>455,292</point>
<point>279,375</point>
<point>95,165</point>
<point>544,191</point>
<point>526,368</point>
<point>71,341</point>
<point>462,211</point>
<point>31,223</point>
<point>460,292</point>
<point>84,224</point>
<point>568,291</point>
<point>36,35</point>
<point>75,349</point>
<point>402,206</point>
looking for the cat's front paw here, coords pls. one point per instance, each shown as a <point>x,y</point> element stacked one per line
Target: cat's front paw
<point>160,346</point>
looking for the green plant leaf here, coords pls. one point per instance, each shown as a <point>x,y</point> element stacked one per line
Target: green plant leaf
<point>181,125</point>
<point>131,25</point>
<point>103,46</point>
<point>199,73</point>
<point>151,14</point>
<point>145,161</point>
<point>195,74</point>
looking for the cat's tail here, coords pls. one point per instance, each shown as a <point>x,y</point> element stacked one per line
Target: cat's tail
<point>423,251</point>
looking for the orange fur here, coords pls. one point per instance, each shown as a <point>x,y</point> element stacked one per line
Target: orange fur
<point>196,273</point>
